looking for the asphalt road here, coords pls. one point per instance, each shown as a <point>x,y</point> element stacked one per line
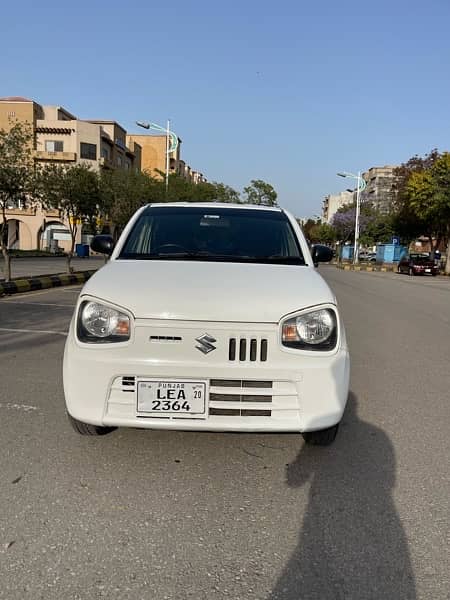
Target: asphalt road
<point>170,515</point>
<point>42,265</point>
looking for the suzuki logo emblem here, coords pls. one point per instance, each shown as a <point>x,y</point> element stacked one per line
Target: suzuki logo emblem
<point>205,343</point>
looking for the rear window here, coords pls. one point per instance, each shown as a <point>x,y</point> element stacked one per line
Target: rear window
<point>213,234</point>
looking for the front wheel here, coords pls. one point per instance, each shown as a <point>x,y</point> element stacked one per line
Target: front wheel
<point>87,429</point>
<point>323,437</point>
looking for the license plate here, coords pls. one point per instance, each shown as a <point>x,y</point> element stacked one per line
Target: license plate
<point>427,270</point>
<point>172,398</point>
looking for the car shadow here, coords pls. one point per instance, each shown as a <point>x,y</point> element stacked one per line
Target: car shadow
<point>352,544</point>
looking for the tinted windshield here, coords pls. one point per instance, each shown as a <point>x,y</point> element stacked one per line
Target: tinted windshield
<point>420,259</point>
<point>218,234</point>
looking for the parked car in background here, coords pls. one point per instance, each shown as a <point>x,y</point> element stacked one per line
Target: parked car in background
<point>368,256</point>
<point>417,264</point>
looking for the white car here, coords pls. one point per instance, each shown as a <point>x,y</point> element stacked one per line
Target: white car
<point>208,317</point>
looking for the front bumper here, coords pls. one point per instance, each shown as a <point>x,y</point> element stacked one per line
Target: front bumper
<point>426,270</point>
<point>290,391</point>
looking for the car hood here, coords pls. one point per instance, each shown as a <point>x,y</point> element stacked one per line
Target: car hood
<point>208,291</point>
<point>423,263</point>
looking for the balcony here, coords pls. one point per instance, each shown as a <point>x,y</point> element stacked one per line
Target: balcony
<point>106,163</point>
<point>21,212</point>
<point>60,156</point>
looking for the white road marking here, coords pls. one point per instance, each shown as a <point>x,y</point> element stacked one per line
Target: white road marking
<point>39,304</point>
<point>10,330</point>
<point>72,288</point>
<point>24,407</point>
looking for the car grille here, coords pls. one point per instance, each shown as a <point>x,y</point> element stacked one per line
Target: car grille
<point>240,398</point>
<point>247,349</point>
<point>234,398</point>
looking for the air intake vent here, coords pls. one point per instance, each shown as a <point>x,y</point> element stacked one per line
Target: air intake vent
<point>247,349</point>
<point>250,383</point>
<point>128,384</point>
<point>224,412</point>
<point>240,398</point>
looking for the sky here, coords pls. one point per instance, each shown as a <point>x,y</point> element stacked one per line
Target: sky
<point>290,92</point>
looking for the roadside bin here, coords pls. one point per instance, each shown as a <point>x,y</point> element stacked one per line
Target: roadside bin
<point>82,250</point>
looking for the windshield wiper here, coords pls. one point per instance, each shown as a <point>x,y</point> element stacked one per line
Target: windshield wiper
<point>211,256</point>
<point>293,260</point>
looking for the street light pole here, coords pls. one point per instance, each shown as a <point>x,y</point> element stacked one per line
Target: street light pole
<point>171,143</point>
<point>361,185</point>
<point>167,155</point>
<point>358,204</point>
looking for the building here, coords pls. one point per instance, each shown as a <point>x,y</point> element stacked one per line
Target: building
<point>379,191</point>
<point>333,202</point>
<point>154,153</point>
<point>153,160</point>
<point>59,137</point>
<point>114,150</point>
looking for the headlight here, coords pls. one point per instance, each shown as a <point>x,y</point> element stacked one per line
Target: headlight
<point>314,330</point>
<point>99,323</point>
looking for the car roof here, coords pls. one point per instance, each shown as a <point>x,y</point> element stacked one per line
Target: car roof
<point>216,205</point>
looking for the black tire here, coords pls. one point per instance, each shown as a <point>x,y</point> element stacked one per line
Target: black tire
<point>87,429</point>
<point>323,437</point>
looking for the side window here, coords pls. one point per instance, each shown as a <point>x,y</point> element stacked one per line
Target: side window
<point>139,241</point>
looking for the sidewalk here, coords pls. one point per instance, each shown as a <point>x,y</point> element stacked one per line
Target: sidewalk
<point>35,267</point>
<point>31,274</point>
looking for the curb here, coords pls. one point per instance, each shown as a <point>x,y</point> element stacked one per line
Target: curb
<point>372,269</point>
<point>32,284</point>
<point>385,269</point>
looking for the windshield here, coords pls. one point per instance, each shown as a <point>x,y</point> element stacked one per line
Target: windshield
<point>420,259</point>
<point>213,234</point>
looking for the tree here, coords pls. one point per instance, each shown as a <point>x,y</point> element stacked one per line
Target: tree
<point>16,179</point>
<point>322,233</point>
<point>343,222</point>
<point>122,193</point>
<point>260,192</point>
<point>308,225</point>
<point>379,228</point>
<point>406,222</point>
<point>75,192</point>
<point>225,193</point>
<point>426,195</point>
<point>422,205</point>
<point>374,226</point>
<point>441,206</point>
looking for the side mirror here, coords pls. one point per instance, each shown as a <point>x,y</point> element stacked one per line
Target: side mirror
<point>321,253</point>
<point>104,244</point>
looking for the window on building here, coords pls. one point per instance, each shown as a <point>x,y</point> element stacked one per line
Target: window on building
<point>105,152</point>
<point>88,151</point>
<point>54,146</point>
<point>119,161</point>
